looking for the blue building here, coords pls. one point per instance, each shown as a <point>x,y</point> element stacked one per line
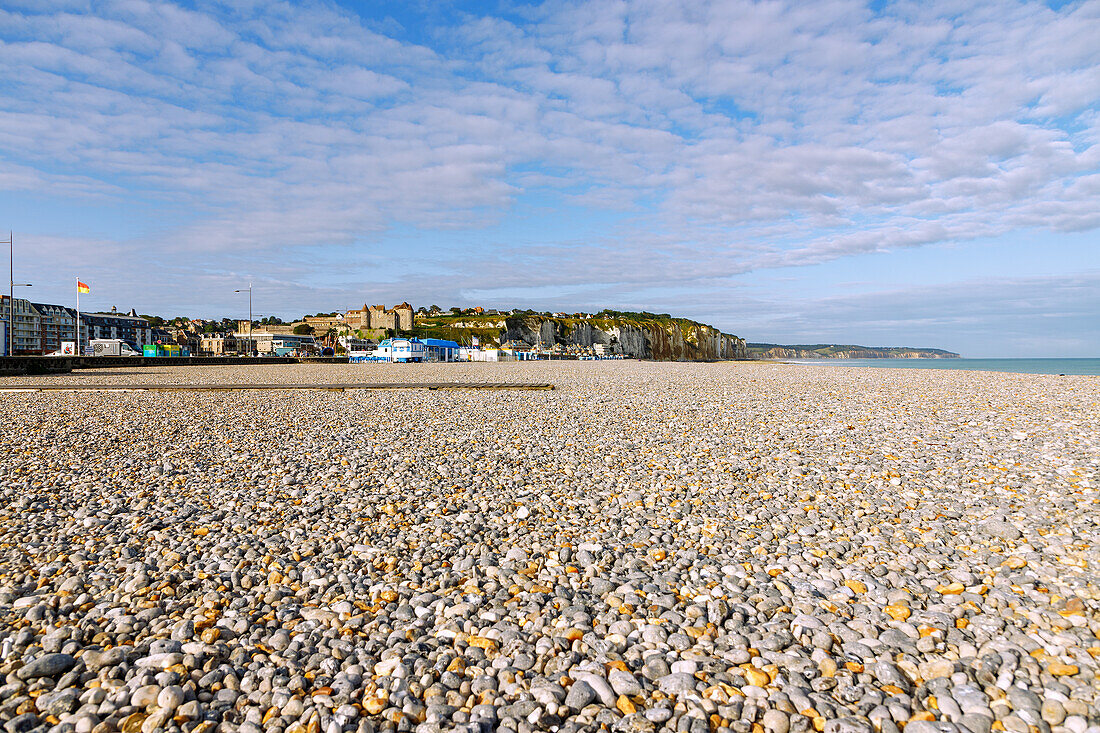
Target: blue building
<point>440,350</point>
<point>409,350</point>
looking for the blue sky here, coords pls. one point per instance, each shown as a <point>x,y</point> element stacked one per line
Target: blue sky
<point>923,174</point>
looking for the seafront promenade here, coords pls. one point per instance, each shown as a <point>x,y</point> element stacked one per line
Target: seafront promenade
<point>759,548</point>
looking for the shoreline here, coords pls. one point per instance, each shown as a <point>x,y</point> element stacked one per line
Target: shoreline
<point>1082,366</point>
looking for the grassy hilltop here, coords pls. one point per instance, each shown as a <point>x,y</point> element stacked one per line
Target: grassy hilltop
<point>844,351</point>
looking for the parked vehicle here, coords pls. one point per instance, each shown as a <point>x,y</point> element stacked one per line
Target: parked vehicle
<point>165,350</point>
<point>112,347</point>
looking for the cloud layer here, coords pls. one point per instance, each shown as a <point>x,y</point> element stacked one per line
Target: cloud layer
<point>709,139</point>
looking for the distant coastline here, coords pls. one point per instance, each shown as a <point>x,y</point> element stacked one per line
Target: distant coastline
<point>843,351</point>
<point>1019,365</point>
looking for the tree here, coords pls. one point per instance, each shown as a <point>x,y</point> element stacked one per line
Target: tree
<point>303,329</point>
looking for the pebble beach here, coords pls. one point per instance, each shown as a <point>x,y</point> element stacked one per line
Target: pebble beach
<point>757,548</point>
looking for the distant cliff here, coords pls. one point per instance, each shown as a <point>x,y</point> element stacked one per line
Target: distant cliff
<point>838,351</point>
<point>638,335</point>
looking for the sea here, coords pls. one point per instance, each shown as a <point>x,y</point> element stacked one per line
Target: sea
<point>1089,367</point>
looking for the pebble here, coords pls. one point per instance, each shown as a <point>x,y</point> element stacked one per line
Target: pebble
<point>1053,712</point>
<point>47,665</point>
<point>676,683</point>
<point>678,547</point>
<point>624,683</point>
<point>145,696</point>
<point>170,698</point>
<point>776,721</point>
<point>600,686</point>
<point>580,695</point>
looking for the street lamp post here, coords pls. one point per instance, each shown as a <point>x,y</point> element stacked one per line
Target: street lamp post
<point>12,285</point>
<point>249,291</point>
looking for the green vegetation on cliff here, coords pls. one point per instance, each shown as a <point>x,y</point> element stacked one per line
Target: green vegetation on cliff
<point>460,327</point>
<point>635,333</point>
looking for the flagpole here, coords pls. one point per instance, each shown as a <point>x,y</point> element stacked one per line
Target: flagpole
<point>79,349</point>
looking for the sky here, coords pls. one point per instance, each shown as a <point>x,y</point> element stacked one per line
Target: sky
<point>910,173</point>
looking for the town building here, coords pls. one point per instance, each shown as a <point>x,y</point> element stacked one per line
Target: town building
<point>267,343</point>
<point>160,335</point>
<point>517,350</point>
<point>184,337</point>
<point>218,344</point>
<point>351,343</point>
<point>284,343</point>
<point>323,324</point>
<point>274,327</point>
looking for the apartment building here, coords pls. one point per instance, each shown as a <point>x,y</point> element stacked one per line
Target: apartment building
<point>36,328</point>
<point>39,328</point>
<point>130,327</point>
<point>56,323</point>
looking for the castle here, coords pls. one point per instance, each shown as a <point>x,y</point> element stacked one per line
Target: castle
<point>370,321</point>
<point>377,317</point>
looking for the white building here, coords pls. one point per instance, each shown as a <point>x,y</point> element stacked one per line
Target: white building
<point>407,350</point>
<point>382,353</point>
<point>351,343</point>
<point>471,354</point>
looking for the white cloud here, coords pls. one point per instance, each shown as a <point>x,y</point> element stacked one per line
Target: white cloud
<point>734,135</point>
